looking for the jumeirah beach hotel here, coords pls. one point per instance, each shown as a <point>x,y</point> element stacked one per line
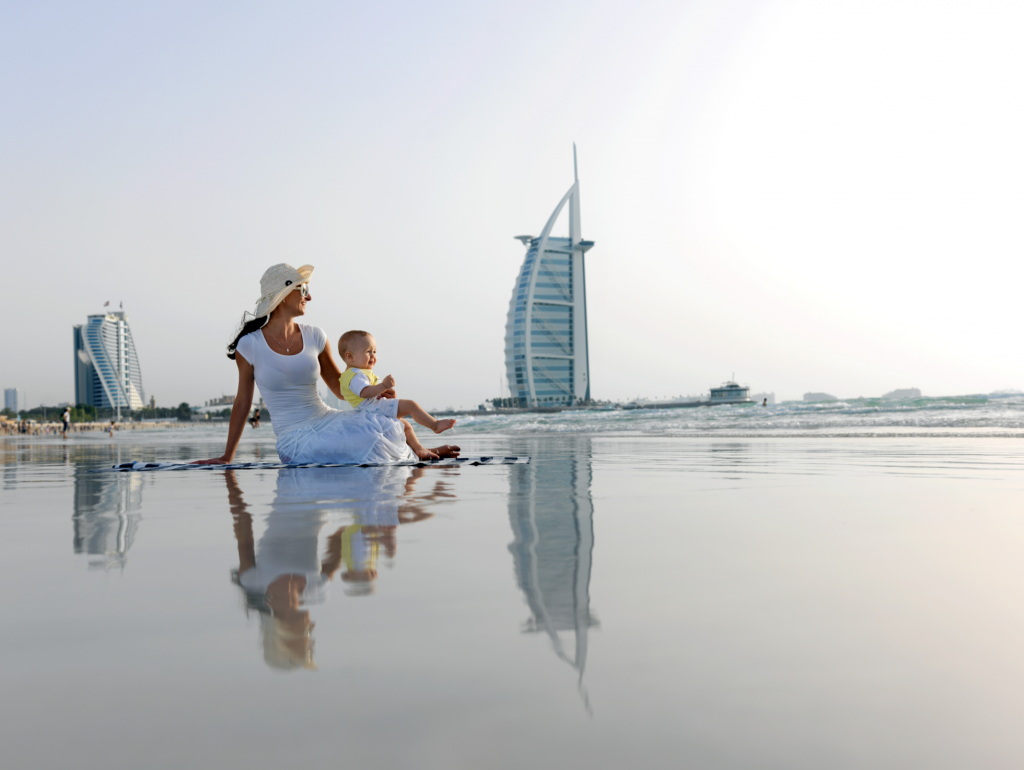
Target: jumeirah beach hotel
<point>107,373</point>
<point>546,358</point>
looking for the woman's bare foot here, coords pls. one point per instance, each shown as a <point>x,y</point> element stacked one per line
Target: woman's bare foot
<point>425,454</point>
<point>442,425</point>
<point>448,450</point>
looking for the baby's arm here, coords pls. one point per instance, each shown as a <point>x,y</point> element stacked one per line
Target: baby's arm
<point>374,391</point>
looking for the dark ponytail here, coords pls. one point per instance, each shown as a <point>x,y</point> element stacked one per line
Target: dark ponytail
<point>248,327</point>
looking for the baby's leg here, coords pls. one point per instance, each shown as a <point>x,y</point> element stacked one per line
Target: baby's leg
<point>448,450</point>
<point>407,408</point>
<point>414,443</point>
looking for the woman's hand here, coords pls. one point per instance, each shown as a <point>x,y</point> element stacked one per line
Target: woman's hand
<point>389,393</point>
<point>222,460</point>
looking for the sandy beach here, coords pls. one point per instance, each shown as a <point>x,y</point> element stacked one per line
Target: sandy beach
<point>668,601</point>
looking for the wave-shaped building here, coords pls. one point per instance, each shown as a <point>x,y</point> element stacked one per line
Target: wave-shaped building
<point>546,357</point>
<point>107,372</point>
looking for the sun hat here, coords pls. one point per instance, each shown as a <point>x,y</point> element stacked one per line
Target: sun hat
<point>277,283</point>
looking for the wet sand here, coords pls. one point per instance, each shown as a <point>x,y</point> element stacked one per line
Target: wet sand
<point>663,602</point>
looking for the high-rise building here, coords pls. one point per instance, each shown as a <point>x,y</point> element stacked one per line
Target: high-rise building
<point>546,357</point>
<point>107,372</point>
<point>12,399</point>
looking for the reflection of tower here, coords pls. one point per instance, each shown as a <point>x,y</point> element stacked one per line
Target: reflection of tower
<point>552,517</point>
<point>106,516</point>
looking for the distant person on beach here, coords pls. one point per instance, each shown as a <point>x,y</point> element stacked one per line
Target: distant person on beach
<point>110,430</point>
<point>765,402</point>
<point>66,419</point>
<point>286,359</point>
<point>254,421</point>
<point>367,393</point>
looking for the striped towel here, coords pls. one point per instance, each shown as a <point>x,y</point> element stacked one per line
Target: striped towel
<point>443,462</point>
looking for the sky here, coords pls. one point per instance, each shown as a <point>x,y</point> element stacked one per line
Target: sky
<point>813,196</point>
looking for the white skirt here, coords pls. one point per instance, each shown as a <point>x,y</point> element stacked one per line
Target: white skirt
<point>346,437</point>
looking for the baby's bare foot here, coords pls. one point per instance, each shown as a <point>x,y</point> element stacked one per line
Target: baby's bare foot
<point>443,425</point>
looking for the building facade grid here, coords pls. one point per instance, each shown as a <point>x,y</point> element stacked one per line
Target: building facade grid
<point>546,357</point>
<point>107,371</point>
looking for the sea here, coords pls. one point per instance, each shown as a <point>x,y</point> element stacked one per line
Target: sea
<point>829,585</point>
<point>991,414</point>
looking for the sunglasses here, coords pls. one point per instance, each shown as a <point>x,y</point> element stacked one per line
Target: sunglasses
<point>303,289</point>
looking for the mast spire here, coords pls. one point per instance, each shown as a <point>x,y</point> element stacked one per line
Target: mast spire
<point>575,168</point>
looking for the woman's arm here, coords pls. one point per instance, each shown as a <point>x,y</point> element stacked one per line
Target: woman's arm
<point>330,371</point>
<point>239,411</point>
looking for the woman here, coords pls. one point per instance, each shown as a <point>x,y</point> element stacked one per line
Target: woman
<point>285,359</point>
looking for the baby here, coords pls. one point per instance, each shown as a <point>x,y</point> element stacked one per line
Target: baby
<point>364,391</point>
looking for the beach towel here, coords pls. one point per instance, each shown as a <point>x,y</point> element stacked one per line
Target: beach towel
<point>443,462</point>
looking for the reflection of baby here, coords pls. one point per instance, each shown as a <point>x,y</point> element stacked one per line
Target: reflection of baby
<point>367,393</point>
<point>282,575</point>
<point>375,525</point>
<point>361,541</point>
<point>360,547</point>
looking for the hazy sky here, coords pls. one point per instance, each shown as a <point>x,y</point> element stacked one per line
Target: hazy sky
<point>814,195</point>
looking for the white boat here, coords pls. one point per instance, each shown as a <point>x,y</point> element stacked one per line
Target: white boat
<point>730,393</point>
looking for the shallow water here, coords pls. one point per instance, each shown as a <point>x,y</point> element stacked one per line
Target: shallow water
<point>623,600</point>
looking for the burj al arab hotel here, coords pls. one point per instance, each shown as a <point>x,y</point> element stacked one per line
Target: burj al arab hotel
<point>546,358</point>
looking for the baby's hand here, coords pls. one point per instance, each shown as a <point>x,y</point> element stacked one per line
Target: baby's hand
<point>388,382</point>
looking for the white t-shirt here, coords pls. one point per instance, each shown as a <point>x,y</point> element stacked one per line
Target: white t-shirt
<point>359,381</point>
<point>288,383</point>
<point>289,547</point>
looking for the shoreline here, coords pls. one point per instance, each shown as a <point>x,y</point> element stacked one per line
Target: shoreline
<point>50,427</point>
<point>724,434</point>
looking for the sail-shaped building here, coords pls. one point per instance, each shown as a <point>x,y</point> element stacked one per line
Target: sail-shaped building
<point>546,358</point>
<point>107,372</point>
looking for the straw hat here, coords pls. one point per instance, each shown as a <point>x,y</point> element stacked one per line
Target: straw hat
<point>277,283</point>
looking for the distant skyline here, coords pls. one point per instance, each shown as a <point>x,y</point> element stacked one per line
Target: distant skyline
<point>819,197</point>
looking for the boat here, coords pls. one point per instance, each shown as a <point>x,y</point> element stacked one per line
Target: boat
<point>730,393</point>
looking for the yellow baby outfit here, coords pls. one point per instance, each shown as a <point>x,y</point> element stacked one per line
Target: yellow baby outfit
<point>346,382</point>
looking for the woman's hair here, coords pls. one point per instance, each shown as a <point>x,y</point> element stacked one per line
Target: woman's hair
<point>248,327</point>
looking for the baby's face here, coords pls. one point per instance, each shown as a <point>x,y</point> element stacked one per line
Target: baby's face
<point>362,354</point>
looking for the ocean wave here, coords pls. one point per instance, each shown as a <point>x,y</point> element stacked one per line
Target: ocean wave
<point>1000,412</point>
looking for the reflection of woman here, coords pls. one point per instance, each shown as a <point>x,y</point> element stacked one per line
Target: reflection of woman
<point>286,359</point>
<point>282,575</point>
